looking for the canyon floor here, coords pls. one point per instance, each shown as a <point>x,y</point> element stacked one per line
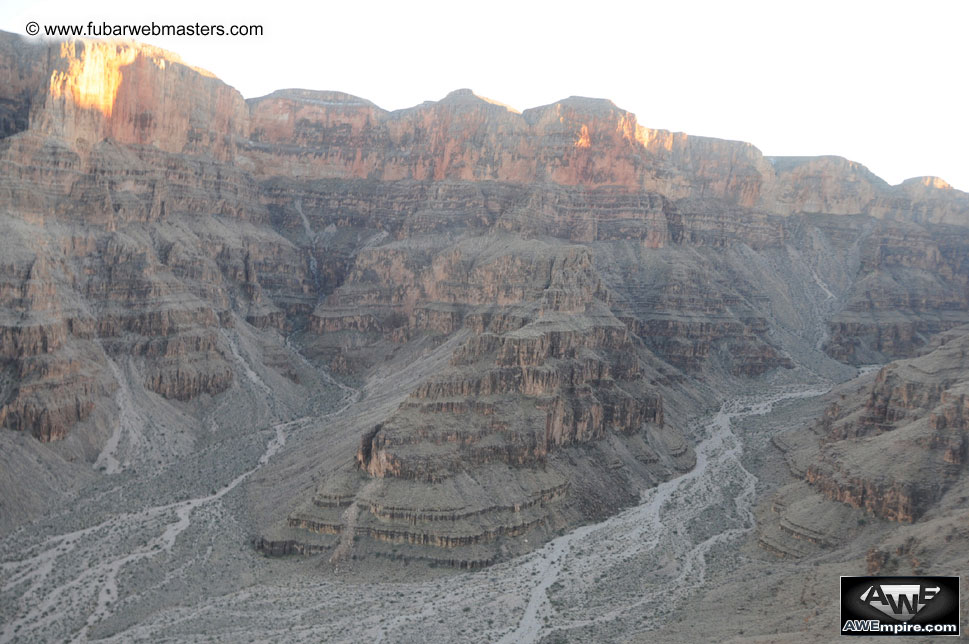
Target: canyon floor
<point>184,570</point>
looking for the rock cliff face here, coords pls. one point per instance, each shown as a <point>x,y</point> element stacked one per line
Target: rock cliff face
<point>134,94</point>
<point>118,192</point>
<point>546,375</point>
<point>896,446</point>
<point>582,276</point>
<point>575,142</point>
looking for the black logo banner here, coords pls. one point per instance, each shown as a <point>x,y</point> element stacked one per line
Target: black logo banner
<point>900,606</point>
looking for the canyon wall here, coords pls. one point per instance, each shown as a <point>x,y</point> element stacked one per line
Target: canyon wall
<point>896,447</point>
<point>592,281</point>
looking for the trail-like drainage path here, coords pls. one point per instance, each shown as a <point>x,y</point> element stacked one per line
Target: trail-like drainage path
<point>78,571</point>
<point>610,579</point>
<point>637,565</point>
<point>64,585</point>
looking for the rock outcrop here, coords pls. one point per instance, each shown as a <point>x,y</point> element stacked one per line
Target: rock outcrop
<point>896,446</point>
<point>484,448</point>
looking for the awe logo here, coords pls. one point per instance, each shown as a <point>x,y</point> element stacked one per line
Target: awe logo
<point>900,606</point>
<point>901,601</point>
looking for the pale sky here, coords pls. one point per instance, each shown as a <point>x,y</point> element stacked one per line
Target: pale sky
<point>882,83</point>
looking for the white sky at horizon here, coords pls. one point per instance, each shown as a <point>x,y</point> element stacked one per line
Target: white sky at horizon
<point>881,83</point>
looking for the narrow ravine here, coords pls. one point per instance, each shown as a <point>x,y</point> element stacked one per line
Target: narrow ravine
<point>824,313</point>
<point>107,460</point>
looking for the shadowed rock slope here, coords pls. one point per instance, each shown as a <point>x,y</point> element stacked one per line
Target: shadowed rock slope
<point>898,452</point>
<point>894,448</point>
<point>531,306</point>
<point>547,414</point>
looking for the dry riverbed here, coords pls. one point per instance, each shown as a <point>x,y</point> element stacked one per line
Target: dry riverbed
<point>184,571</point>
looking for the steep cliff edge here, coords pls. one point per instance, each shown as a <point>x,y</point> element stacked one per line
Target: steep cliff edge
<point>116,195</point>
<point>574,142</point>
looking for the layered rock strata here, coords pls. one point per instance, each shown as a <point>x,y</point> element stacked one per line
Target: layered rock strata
<point>896,446</point>
<point>583,273</point>
<point>483,449</point>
